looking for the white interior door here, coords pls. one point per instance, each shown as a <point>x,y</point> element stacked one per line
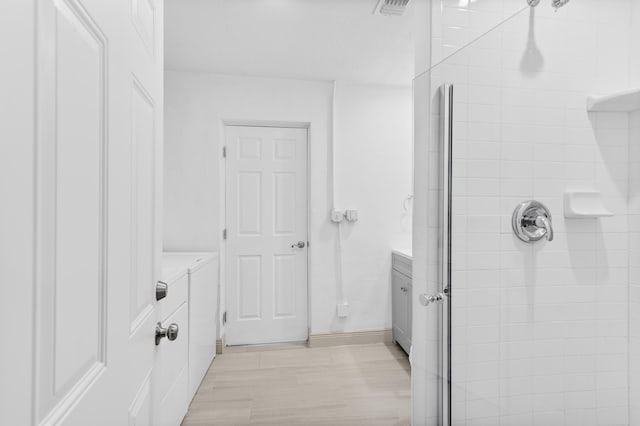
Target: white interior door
<point>266,210</point>
<point>96,109</point>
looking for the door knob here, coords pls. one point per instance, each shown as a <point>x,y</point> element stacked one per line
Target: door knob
<point>161,290</point>
<point>170,332</point>
<point>299,244</point>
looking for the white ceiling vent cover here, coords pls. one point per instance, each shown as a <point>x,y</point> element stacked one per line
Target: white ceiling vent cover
<point>391,7</point>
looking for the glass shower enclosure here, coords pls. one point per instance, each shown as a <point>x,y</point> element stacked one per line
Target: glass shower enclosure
<point>529,234</point>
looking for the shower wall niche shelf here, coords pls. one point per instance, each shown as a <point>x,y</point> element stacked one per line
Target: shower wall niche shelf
<point>584,205</point>
<point>625,101</point>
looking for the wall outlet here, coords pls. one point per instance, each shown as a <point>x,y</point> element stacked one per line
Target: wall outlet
<point>343,310</point>
<point>337,216</point>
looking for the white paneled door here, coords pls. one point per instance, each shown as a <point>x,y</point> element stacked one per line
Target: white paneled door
<point>87,165</point>
<point>266,215</point>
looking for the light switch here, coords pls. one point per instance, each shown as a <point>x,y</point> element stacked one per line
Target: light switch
<point>343,310</point>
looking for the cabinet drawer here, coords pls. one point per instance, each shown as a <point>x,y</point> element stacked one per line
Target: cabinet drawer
<point>401,264</point>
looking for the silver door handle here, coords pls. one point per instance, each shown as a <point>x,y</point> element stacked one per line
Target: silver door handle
<point>170,332</point>
<point>162,289</point>
<point>299,244</point>
<point>426,300</point>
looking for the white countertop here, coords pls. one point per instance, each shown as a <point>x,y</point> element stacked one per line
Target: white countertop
<point>176,264</point>
<point>404,252</point>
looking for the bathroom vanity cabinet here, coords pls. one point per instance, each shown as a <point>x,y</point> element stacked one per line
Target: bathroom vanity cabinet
<point>401,291</point>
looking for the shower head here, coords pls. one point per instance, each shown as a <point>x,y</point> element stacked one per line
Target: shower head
<point>559,3</point>
<point>555,3</point>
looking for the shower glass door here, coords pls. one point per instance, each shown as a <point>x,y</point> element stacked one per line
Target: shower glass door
<point>531,333</point>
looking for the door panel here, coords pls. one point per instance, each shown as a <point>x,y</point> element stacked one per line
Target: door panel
<point>266,214</point>
<point>249,203</point>
<point>97,162</point>
<point>284,281</point>
<point>72,208</point>
<point>249,273</point>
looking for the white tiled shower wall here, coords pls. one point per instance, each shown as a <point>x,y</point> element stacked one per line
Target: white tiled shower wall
<point>634,267</point>
<point>634,226</point>
<point>540,331</point>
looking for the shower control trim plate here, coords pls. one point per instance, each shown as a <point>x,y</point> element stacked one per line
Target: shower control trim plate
<point>531,221</point>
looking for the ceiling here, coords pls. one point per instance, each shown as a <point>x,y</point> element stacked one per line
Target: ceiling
<point>300,39</point>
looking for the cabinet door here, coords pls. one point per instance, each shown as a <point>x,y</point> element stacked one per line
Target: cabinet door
<point>203,315</point>
<point>170,378</point>
<point>408,299</point>
<point>399,307</point>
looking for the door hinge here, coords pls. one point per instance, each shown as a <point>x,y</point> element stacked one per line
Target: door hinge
<point>224,152</point>
<point>224,234</point>
<point>224,317</point>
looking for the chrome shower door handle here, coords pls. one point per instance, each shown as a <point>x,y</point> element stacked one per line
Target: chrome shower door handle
<point>426,300</point>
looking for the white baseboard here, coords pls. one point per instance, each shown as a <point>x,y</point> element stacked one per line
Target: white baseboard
<point>350,338</point>
<point>220,345</point>
<point>319,340</point>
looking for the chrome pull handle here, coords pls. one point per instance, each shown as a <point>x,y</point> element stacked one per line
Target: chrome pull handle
<point>162,289</point>
<point>299,244</point>
<point>171,332</point>
<point>426,300</point>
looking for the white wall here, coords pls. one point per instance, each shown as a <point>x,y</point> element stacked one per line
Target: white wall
<point>373,151</point>
<point>534,343</point>
<point>373,175</point>
<point>635,43</point>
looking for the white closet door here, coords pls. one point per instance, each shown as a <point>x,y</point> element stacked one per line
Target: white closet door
<point>266,210</point>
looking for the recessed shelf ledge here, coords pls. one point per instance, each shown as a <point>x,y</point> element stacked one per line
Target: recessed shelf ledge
<point>584,205</point>
<point>625,101</point>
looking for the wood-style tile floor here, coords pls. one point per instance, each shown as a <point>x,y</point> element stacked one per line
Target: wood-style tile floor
<point>295,385</point>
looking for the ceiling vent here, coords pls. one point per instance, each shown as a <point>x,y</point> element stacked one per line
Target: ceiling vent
<point>391,7</point>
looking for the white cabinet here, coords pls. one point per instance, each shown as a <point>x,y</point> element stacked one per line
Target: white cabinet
<point>192,303</point>
<point>172,369</point>
<point>171,357</point>
<point>203,314</point>
<point>401,291</point>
